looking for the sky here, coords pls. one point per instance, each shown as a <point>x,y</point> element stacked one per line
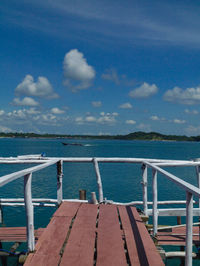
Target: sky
<point>100,67</point>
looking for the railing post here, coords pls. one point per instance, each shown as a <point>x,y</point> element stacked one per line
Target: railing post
<point>144,185</point>
<point>189,228</point>
<point>29,212</point>
<point>99,183</point>
<point>198,179</point>
<point>59,182</point>
<point>155,202</point>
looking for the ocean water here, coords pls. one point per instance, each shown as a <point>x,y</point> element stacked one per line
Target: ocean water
<point>121,182</point>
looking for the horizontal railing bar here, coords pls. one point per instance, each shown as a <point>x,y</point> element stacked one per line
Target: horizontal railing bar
<point>11,177</point>
<point>12,204</point>
<point>171,164</point>
<point>185,185</point>
<point>115,160</point>
<point>167,202</point>
<point>22,200</point>
<point>160,228</point>
<point>174,212</point>
<point>36,202</point>
<point>158,162</point>
<point>23,161</point>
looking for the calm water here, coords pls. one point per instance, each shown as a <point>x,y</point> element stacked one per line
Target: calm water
<point>121,182</point>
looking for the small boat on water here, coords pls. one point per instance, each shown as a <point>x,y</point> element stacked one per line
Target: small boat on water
<point>72,144</point>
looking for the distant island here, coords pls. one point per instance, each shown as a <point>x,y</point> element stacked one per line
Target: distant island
<point>139,135</point>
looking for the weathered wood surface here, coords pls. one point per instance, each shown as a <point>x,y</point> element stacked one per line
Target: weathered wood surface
<point>102,235</point>
<point>17,234</point>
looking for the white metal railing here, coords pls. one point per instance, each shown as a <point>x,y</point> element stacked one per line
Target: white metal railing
<point>154,164</point>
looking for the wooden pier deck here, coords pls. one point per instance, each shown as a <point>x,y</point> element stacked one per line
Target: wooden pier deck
<point>102,235</point>
<point>17,234</point>
<point>177,237</point>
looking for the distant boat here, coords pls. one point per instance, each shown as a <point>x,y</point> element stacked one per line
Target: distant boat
<point>73,144</point>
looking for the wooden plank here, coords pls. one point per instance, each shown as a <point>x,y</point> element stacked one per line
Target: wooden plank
<point>147,251</point>
<point>67,209</point>
<point>129,236</point>
<point>80,246</point>
<point>12,234</point>
<point>110,246</point>
<point>177,237</point>
<point>51,241</point>
<point>41,259</point>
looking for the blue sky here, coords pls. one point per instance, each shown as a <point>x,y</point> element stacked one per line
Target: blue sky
<point>100,67</point>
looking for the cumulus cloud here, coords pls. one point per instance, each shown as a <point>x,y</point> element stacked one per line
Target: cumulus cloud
<point>126,106</point>
<point>130,122</point>
<point>154,118</point>
<point>192,130</point>
<point>57,111</point>
<point>26,101</point>
<point>111,74</point>
<point>40,88</point>
<point>2,112</point>
<point>178,121</point>
<point>144,127</point>
<point>90,119</point>
<point>97,104</point>
<point>78,74</point>
<point>144,91</point>
<point>5,129</point>
<point>104,118</point>
<point>193,112</point>
<point>188,96</point>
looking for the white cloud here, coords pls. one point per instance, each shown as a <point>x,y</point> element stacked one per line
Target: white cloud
<point>126,106</point>
<point>17,114</point>
<point>144,91</point>
<point>144,127</point>
<point>90,119</point>
<point>130,122</point>
<point>178,121</point>
<point>79,120</point>
<point>154,118</point>
<point>57,111</point>
<point>115,114</point>
<point>5,129</point>
<point>97,104</point>
<point>111,75</point>
<point>193,112</point>
<point>78,73</point>
<point>41,88</point>
<point>2,112</point>
<point>26,101</point>
<point>188,96</point>
<point>192,130</point>
<point>104,118</point>
<point>32,111</point>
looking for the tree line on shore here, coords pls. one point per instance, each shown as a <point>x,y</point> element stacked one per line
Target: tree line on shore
<point>139,135</point>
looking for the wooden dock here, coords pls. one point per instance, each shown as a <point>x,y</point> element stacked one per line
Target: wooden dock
<point>177,237</point>
<point>86,234</point>
<point>17,234</point>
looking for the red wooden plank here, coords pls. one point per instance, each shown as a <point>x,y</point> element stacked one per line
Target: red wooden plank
<point>148,253</point>
<point>177,237</point>
<point>110,249</point>
<point>67,209</point>
<point>12,234</point>
<point>80,246</point>
<point>129,236</point>
<point>43,260</point>
<point>52,239</point>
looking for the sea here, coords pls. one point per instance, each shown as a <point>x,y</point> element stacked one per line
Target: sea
<point>121,181</point>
